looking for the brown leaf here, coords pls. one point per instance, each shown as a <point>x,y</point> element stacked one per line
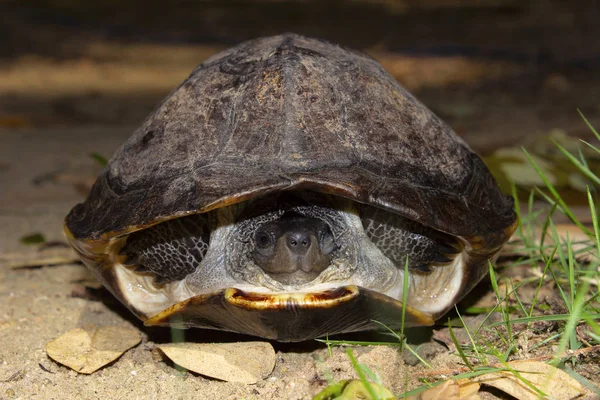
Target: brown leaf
<point>462,389</point>
<point>14,121</point>
<point>468,389</point>
<point>577,237</point>
<point>86,350</point>
<point>546,378</point>
<point>245,362</point>
<point>45,256</point>
<point>443,335</point>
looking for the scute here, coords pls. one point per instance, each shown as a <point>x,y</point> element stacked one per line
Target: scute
<point>289,112</point>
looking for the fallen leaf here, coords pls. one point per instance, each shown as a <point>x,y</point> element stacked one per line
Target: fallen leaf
<point>468,389</point>
<point>514,164</point>
<point>14,121</point>
<point>578,239</point>
<point>88,349</point>
<point>244,362</point>
<point>448,390</point>
<point>443,336</point>
<point>45,256</point>
<point>553,382</point>
<point>462,389</point>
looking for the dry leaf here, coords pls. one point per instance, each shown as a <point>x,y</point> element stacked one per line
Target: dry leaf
<point>468,389</point>
<point>448,390</point>
<point>552,381</point>
<point>246,362</point>
<point>463,389</point>
<point>576,236</point>
<point>14,121</point>
<point>514,164</point>
<point>47,256</point>
<point>579,241</point>
<point>89,349</point>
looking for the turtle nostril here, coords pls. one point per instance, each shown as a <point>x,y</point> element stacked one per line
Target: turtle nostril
<point>298,242</point>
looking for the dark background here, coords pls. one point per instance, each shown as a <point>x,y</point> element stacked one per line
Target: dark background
<point>500,72</point>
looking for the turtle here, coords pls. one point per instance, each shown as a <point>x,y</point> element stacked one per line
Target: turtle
<point>291,188</point>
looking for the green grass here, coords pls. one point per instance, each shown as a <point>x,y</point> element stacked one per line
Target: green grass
<point>555,260</point>
<point>570,268</point>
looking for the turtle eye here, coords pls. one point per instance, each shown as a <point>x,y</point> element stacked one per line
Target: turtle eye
<point>326,240</point>
<point>263,239</point>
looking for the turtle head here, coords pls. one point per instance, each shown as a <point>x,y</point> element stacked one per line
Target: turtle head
<point>293,249</point>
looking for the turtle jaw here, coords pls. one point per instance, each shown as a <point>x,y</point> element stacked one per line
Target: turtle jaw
<point>292,317</point>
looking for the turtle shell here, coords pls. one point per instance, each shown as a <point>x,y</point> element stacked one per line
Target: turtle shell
<point>293,113</point>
